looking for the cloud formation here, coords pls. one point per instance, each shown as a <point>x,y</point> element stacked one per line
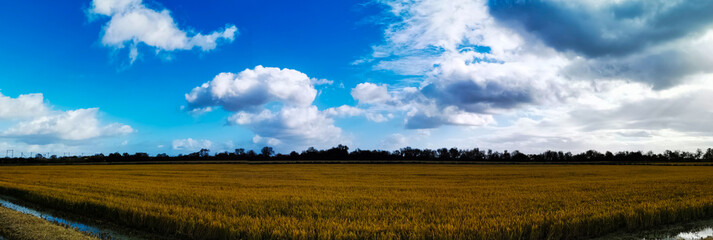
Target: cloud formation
<point>39,124</point>
<point>656,42</point>
<point>253,88</point>
<point>190,144</point>
<point>350,111</point>
<point>605,28</point>
<point>371,93</point>
<point>24,106</point>
<point>73,125</point>
<point>293,125</point>
<point>276,104</point>
<point>553,73</point>
<point>132,23</point>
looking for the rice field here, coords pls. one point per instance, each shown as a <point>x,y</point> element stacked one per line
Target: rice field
<point>16,225</point>
<point>224,201</point>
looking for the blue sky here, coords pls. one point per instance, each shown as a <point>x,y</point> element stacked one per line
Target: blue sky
<point>385,74</point>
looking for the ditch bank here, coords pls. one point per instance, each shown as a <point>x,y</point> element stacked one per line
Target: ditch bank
<point>88,229</point>
<point>15,225</point>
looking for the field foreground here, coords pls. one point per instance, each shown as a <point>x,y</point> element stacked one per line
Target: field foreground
<point>16,225</point>
<point>371,201</point>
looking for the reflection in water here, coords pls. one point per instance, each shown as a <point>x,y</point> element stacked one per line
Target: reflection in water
<point>102,233</point>
<point>708,232</point>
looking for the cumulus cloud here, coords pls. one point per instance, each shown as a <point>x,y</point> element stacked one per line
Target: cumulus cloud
<point>190,144</point>
<point>132,23</point>
<point>276,104</point>
<point>253,88</point>
<point>553,73</point>
<point>371,93</point>
<point>424,117</point>
<point>293,125</point>
<point>24,106</point>
<point>470,65</point>
<point>42,125</point>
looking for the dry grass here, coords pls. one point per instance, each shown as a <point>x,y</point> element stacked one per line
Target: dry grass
<point>372,201</point>
<point>16,225</point>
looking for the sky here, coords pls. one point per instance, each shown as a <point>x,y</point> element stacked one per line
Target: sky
<point>156,76</point>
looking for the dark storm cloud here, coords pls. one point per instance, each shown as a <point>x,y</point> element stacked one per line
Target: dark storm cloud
<point>473,97</point>
<point>422,121</point>
<point>662,70</point>
<point>612,29</point>
<point>463,95</point>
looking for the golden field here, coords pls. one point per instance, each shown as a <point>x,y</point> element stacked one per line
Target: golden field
<point>223,201</point>
<point>16,225</point>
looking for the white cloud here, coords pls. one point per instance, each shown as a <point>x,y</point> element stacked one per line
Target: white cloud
<point>294,125</point>
<point>322,81</point>
<point>80,124</point>
<point>24,106</point>
<point>459,117</point>
<point>371,93</point>
<point>349,111</point>
<point>344,111</point>
<point>253,88</point>
<point>200,111</point>
<point>190,144</point>
<point>470,66</point>
<point>290,120</point>
<point>634,76</point>
<point>32,121</point>
<point>377,117</point>
<point>132,23</point>
<point>112,7</point>
<point>257,139</point>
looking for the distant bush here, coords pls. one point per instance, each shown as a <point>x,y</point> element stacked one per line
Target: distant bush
<point>342,153</point>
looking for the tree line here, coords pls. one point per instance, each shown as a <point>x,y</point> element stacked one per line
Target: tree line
<point>342,153</point>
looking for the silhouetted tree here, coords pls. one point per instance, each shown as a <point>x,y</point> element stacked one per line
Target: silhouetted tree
<point>240,151</point>
<point>251,154</point>
<point>266,152</point>
<point>203,153</point>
